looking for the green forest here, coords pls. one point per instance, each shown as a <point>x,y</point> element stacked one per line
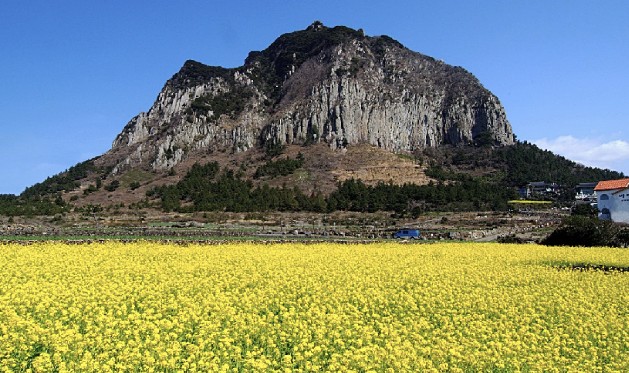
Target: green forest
<point>207,188</point>
<point>12,205</point>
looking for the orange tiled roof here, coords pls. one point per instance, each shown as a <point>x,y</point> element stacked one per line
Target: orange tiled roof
<point>612,184</point>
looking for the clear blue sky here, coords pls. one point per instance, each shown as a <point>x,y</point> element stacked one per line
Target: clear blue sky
<point>73,72</point>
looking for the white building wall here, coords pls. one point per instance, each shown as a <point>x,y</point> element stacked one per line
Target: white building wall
<point>617,202</point>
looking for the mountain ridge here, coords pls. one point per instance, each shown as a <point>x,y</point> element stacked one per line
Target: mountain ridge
<point>331,85</point>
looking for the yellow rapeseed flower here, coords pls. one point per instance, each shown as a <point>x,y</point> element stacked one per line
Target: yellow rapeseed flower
<point>379,307</point>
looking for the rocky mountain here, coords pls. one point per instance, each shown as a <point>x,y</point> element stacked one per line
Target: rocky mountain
<point>324,119</point>
<point>334,87</point>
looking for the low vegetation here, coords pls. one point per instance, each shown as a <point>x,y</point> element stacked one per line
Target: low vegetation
<point>580,230</point>
<point>194,73</point>
<point>292,49</point>
<point>11,205</point>
<point>65,181</point>
<point>230,103</point>
<point>207,188</point>
<point>116,307</point>
<point>524,162</point>
<point>279,167</point>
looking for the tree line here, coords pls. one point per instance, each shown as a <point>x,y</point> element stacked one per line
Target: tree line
<point>208,188</point>
<point>525,162</point>
<point>12,205</point>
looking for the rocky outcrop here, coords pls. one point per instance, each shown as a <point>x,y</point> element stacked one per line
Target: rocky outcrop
<point>331,85</point>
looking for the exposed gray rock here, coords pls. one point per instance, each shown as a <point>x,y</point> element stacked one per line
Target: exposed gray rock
<point>331,85</point>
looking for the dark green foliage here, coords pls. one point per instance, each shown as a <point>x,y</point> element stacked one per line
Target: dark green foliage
<point>526,162</point>
<point>294,48</point>
<point>353,69</point>
<point>261,70</point>
<point>64,181</point>
<point>356,65</point>
<point>134,185</point>
<point>440,173</point>
<point>484,139</point>
<point>622,238</point>
<point>512,167</point>
<point>90,189</point>
<point>581,266</point>
<point>511,238</point>
<point>90,210</point>
<point>312,135</point>
<point>206,188</point>
<point>11,205</point>
<point>468,195</point>
<point>381,43</point>
<point>273,64</point>
<point>115,184</point>
<point>272,150</point>
<point>516,165</point>
<point>585,209</point>
<point>194,73</point>
<point>280,167</point>
<point>578,230</point>
<point>202,172</point>
<point>230,103</point>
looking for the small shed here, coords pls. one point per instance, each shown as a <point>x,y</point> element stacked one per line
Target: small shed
<point>613,200</point>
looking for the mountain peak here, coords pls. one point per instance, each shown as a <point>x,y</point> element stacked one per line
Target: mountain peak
<point>193,73</point>
<point>316,26</point>
<point>330,85</point>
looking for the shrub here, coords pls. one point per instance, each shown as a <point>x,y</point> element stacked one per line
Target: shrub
<point>585,210</point>
<point>578,230</point>
<point>272,149</point>
<point>511,238</point>
<point>230,103</point>
<point>280,167</point>
<point>112,186</point>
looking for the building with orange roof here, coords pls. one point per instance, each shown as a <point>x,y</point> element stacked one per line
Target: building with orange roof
<point>613,200</point>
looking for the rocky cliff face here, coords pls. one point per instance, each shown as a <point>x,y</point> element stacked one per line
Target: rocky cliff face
<point>330,85</point>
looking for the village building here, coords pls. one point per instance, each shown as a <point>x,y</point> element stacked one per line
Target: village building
<point>539,189</point>
<point>585,192</point>
<point>613,200</point>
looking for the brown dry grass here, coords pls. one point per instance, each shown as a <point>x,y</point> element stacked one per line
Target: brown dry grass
<point>323,169</point>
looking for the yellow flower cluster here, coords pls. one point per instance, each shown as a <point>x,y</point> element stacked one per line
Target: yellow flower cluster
<point>382,307</point>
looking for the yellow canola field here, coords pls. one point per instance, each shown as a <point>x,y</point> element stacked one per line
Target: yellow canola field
<point>382,307</point>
